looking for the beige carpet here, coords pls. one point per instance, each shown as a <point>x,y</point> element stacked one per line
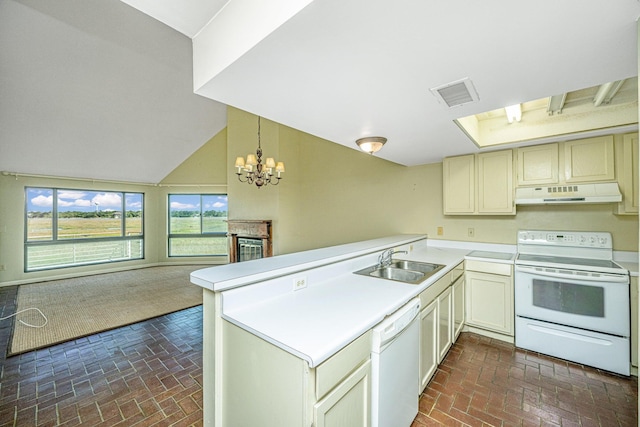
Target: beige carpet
<point>86,305</point>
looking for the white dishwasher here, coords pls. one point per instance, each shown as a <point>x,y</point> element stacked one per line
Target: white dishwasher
<point>395,370</point>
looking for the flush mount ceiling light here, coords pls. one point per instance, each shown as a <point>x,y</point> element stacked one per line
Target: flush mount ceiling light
<point>371,144</point>
<point>253,171</point>
<point>514,112</point>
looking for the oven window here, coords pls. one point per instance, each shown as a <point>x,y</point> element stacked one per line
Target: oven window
<point>569,298</point>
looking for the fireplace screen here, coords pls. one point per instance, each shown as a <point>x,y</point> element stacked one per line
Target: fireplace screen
<point>249,249</point>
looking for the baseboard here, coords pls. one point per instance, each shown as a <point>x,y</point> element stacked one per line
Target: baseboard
<point>489,334</point>
<point>110,270</point>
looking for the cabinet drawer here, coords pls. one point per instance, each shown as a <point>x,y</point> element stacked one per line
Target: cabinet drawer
<point>489,267</point>
<point>432,292</point>
<point>457,271</point>
<point>333,370</point>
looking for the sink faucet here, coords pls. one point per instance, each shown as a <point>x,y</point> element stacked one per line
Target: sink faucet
<point>384,260</point>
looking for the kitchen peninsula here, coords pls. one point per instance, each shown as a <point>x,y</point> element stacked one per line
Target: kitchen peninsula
<point>287,339</point>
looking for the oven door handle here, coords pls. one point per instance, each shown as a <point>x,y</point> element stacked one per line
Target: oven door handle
<point>610,278</point>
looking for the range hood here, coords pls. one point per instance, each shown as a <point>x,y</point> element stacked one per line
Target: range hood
<point>606,192</point>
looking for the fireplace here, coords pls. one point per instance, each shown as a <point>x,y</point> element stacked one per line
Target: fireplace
<point>249,239</point>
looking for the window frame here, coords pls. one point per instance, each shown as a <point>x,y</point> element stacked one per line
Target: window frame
<point>55,240</point>
<point>202,234</point>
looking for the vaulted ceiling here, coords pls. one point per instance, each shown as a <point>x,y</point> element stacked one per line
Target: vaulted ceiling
<point>103,89</point>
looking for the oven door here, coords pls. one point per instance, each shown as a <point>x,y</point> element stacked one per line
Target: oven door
<point>593,302</point>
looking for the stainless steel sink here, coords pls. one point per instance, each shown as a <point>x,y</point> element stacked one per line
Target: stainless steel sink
<point>411,272</point>
<point>423,267</point>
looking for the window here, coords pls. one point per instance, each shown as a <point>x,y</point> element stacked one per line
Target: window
<point>197,225</point>
<point>66,228</point>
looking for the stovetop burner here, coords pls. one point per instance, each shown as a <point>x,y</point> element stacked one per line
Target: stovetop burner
<point>582,251</point>
<point>584,264</point>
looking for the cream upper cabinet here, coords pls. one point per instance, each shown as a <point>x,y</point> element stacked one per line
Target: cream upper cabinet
<point>459,177</point>
<point>627,170</point>
<point>495,183</point>
<point>538,164</point>
<point>489,176</point>
<point>589,160</point>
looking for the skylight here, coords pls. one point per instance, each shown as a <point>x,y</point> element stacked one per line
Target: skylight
<point>606,108</point>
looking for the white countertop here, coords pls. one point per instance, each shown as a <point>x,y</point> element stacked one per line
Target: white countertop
<point>337,306</point>
<point>220,278</point>
<point>316,322</point>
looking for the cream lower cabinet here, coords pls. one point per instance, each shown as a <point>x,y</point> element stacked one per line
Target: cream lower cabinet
<point>348,403</point>
<point>458,306</point>
<point>445,324</point>
<point>489,296</point>
<point>263,385</point>
<point>428,343</point>
<point>437,321</point>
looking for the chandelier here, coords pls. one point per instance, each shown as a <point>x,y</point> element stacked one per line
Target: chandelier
<point>253,171</point>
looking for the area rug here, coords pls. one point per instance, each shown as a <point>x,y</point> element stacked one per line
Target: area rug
<point>87,305</point>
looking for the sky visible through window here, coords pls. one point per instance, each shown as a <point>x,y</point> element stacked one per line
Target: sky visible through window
<point>191,202</point>
<point>41,200</point>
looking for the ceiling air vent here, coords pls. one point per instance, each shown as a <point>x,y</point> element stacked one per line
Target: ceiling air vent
<point>456,93</point>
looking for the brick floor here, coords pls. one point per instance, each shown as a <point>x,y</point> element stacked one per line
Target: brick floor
<point>150,374</point>
<point>485,382</point>
<point>146,374</point>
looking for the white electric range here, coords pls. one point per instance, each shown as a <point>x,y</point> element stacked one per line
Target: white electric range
<point>571,299</point>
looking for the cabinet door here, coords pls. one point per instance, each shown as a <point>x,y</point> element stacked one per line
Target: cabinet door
<point>458,307</point>
<point>634,321</point>
<point>349,404</point>
<point>538,164</point>
<point>630,172</point>
<point>495,182</point>
<point>428,343</point>
<point>458,184</point>
<point>489,301</point>
<point>588,160</point>
<point>445,324</point>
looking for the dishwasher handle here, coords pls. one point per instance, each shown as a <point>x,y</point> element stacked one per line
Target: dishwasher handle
<point>391,327</point>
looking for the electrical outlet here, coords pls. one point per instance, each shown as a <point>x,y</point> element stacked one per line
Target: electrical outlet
<point>471,232</point>
<point>299,283</point>
<point>440,231</point>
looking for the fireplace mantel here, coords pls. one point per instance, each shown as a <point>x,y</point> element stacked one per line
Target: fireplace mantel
<point>249,229</point>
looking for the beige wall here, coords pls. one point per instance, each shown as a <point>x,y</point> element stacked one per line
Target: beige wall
<point>330,195</point>
<point>204,172</point>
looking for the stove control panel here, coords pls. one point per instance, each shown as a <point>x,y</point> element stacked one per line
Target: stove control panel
<point>601,240</point>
